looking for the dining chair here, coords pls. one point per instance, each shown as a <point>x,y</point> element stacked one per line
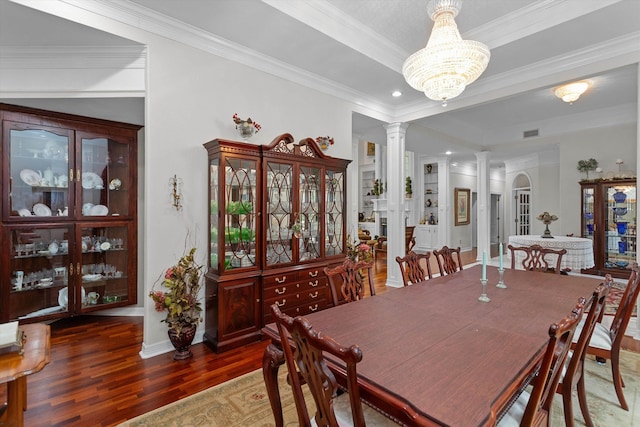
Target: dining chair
<point>606,342</point>
<point>306,365</point>
<point>350,278</point>
<point>533,406</point>
<point>447,263</point>
<point>415,267</point>
<point>573,377</point>
<point>409,242</point>
<point>536,258</point>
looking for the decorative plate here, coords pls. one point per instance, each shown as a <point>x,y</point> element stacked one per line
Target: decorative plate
<point>91,277</point>
<point>24,212</point>
<point>115,184</point>
<point>41,210</point>
<point>105,246</point>
<point>99,210</point>
<point>30,177</point>
<point>91,180</point>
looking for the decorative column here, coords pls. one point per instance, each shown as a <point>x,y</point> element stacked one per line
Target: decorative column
<point>396,139</point>
<point>483,220</point>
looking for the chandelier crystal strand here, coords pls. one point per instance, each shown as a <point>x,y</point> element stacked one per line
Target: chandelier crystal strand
<point>448,64</point>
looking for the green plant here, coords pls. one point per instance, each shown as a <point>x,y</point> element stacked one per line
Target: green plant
<point>180,299</point>
<point>407,186</point>
<point>587,165</point>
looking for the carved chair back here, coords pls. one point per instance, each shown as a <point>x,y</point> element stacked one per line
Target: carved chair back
<point>550,371</point>
<point>348,280</point>
<point>449,260</point>
<point>415,267</point>
<point>573,375</point>
<point>537,258</point>
<point>306,364</point>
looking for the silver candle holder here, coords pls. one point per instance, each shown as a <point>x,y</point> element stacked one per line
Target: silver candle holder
<point>501,284</point>
<point>483,297</point>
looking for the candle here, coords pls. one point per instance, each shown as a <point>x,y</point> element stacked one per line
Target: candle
<point>484,265</point>
<point>501,268</point>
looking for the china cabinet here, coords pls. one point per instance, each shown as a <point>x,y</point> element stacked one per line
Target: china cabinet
<point>276,219</point>
<point>609,219</point>
<point>69,215</point>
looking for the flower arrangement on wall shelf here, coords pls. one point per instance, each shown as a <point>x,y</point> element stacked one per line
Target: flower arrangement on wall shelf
<point>324,142</point>
<point>246,128</point>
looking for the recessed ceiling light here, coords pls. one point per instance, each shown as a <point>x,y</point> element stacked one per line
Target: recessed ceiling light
<point>396,93</point>
<point>448,153</point>
<point>454,164</point>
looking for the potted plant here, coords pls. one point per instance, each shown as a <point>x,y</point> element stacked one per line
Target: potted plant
<point>587,165</point>
<point>407,187</point>
<point>180,300</point>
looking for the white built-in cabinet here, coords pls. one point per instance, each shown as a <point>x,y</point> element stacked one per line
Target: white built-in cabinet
<point>430,203</point>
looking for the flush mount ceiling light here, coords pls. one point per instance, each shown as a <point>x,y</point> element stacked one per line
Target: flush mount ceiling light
<point>448,64</point>
<point>572,91</point>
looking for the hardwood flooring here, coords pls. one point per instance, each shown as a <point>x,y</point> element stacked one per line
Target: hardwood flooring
<point>97,378</point>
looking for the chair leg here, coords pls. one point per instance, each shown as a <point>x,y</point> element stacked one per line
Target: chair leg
<point>582,399</point>
<point>617,380</point>
<point>567,404</point>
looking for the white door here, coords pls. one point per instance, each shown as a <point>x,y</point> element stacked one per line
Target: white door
<point>523,212</point>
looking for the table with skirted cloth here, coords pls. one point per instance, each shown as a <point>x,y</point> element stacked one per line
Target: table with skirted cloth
<point>579,250</point>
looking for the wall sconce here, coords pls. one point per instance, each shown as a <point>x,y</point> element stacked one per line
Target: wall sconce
<point>175,184</point>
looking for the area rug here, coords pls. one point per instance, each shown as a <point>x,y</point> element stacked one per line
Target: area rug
<point>243,402</point>
<point>614,297</point>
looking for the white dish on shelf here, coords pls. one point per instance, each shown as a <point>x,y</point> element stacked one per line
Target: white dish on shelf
<point>91,180</point>
<point>30,177</point>
<point>24,212</point>
<point>99,210</point>
<point>91,277</point>
<point>115,184</point>
<point>63,297</point>
<point>105,246</point>
<point>41,210</point>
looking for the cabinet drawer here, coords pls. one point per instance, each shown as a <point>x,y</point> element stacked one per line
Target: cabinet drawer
<point>281,290</point>
<point>279,280</point>
<point>297,310</point>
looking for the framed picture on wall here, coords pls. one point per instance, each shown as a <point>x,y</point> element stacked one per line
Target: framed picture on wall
<point>462,197</point>
<point>371,149</point>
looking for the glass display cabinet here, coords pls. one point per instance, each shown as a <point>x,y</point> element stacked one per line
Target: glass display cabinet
<point>609,219</point>
<point>68,214</point>
<point>276,219</point>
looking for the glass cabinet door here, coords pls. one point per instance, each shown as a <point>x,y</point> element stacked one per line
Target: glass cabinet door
<point>308,215</point>
<point>104,176</point>
<point>620,225</point>
<point>240,213</point>
<point>588,212</point>
<point>38,171</point>
<point>105,268</point>
<point>334,213</point>
<point>39,263</point>
<point>281,221</point>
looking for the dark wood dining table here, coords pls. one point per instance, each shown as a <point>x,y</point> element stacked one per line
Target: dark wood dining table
<point>435,355</point>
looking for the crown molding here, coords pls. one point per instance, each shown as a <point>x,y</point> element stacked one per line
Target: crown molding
<point>65,57</point>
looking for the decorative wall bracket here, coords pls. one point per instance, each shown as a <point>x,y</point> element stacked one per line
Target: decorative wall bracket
<point>176,191</point>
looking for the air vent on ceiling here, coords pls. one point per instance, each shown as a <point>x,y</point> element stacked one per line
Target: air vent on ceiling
<point>530,133</point>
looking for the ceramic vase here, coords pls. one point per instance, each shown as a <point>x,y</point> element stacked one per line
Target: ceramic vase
<point>182,341</point>
<point>619,196</point>
<point>622,247</point>
<point>622,227</point>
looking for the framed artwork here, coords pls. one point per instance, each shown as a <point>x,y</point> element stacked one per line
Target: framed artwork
<point>371,149</point>
<point>462,198</point>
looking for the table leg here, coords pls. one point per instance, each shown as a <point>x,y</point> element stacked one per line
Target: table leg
<point>12,414</point>
<point>272,358</point>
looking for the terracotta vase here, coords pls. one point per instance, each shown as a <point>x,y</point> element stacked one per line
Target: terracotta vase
<point>182,341</point>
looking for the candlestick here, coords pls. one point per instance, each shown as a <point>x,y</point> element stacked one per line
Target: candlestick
<point>501,267</point>
<point>484,265</point>
<point>501,281</point>
<point>483,297</point>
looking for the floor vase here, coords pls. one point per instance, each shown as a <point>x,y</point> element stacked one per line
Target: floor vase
<point>182,341</point>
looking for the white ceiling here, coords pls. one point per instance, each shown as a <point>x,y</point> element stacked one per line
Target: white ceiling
<point>355,49</point>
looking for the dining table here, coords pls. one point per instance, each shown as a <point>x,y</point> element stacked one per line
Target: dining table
<point>579,254</point>
<point>433,353</point>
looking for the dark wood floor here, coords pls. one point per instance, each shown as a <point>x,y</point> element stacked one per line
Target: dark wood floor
<point>97,378</point>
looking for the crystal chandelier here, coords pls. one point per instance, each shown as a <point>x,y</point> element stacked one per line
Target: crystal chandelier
<point>447,64</point>
<point>572,91</point>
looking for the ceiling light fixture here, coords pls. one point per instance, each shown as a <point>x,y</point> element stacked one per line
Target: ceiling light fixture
<point>572,91</point>
<point>396,93</point>
<point>448,64</point>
